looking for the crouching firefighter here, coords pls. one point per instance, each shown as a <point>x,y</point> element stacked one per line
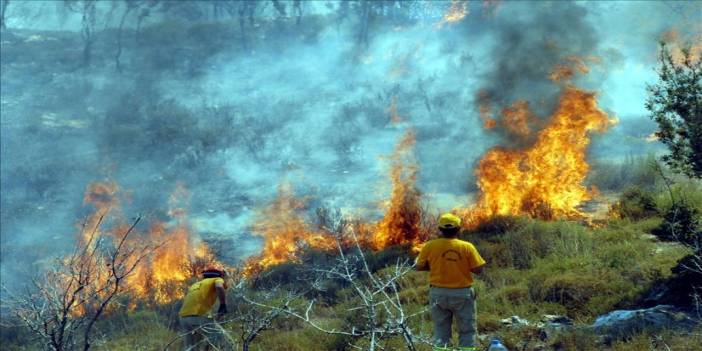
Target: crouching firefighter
<point>202,330</point>
<point>451,263</point>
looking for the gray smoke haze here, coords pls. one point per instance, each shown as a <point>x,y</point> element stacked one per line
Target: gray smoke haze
<point>307,104</point>
<point>529,40</point>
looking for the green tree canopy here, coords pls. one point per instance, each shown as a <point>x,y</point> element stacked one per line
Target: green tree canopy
<point>675,103</point>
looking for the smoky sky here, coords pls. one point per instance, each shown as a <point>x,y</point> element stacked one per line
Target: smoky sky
<point>529,40</point>
<point>304,104</point>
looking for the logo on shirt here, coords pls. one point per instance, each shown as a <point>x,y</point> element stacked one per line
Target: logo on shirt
<point>451,255</point>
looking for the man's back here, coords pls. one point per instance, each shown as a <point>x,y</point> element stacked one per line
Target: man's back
<point>200,298</point>
<point>450,261</point>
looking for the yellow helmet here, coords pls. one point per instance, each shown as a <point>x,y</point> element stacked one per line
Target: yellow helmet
<point>449,220</point>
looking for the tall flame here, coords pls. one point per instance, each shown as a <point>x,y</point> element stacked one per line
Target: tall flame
<point>160,277</point>
<point>546,179</point>
<point>181,257</point>
<point>401,223</point>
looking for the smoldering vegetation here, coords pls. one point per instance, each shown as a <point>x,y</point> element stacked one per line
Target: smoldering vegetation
<point>230,101</point>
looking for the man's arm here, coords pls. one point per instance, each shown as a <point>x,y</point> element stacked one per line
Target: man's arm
<point>422,261</point>
<point>221,294</point>
<point>475,261</point>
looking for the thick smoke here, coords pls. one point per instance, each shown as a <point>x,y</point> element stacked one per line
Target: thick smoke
<point>529,40</point>
<point>230,119</point>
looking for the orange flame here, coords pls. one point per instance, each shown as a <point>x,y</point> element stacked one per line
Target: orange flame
<point>485,110</point>
<point>544,180</point>
<point>516,119</point>
<point>566,71</point>
<point>102,196</point>
<point>160,277</point>
<point>454,14</point>
<point>285,232</point>
<point>401,223</point>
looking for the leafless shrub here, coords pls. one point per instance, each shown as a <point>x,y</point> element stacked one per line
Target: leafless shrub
<point>246,322</point>
<point>63,304</point>
<point>381,314</point>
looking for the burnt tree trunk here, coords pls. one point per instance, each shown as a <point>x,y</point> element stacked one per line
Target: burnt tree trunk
<point>119,36</point>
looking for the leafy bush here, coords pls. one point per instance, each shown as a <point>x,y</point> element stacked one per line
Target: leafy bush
<point>581,287</point>
<point>387,257</point>
<point>675,103</point>
<point>636,203</point>
<point>681,223</point>
<point>293,276</point>
<point>686,190</point>
<point>497,225</point>
<point>527,240</point>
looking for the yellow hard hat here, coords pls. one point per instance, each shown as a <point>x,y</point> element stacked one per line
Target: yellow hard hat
<point>449,220</point>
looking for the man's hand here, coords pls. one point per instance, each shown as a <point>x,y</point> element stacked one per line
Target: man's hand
<point>222,310</point>
<point>478,270</point>
<point>221,294</point>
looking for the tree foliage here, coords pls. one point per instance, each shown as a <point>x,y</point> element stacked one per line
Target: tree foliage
<point>675,103</point>
<point>682,224</point>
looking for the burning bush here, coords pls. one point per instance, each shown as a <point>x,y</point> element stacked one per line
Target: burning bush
<point>544,180</point>
<point>287,233</point>
<point>401,223</point>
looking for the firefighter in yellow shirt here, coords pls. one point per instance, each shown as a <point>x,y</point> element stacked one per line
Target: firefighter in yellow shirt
<point>195,312</point>
<point>451,263</point>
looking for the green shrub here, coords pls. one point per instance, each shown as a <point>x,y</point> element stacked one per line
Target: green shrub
<point>689,191</point>
<point>636,203</point>
<point>682,224</point>
<point>285,274</point>
<point>130,331</point>
<point>524,245</point>
<point>524,240</point>
<point>387,257</point>
<point>570,290</point>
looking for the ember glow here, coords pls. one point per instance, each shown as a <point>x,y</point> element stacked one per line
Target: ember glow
<point>565,71</point>
<point>546,179</point>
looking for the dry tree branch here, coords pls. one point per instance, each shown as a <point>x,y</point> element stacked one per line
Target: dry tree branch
<point>378,295</point>
<point>71,297</point>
